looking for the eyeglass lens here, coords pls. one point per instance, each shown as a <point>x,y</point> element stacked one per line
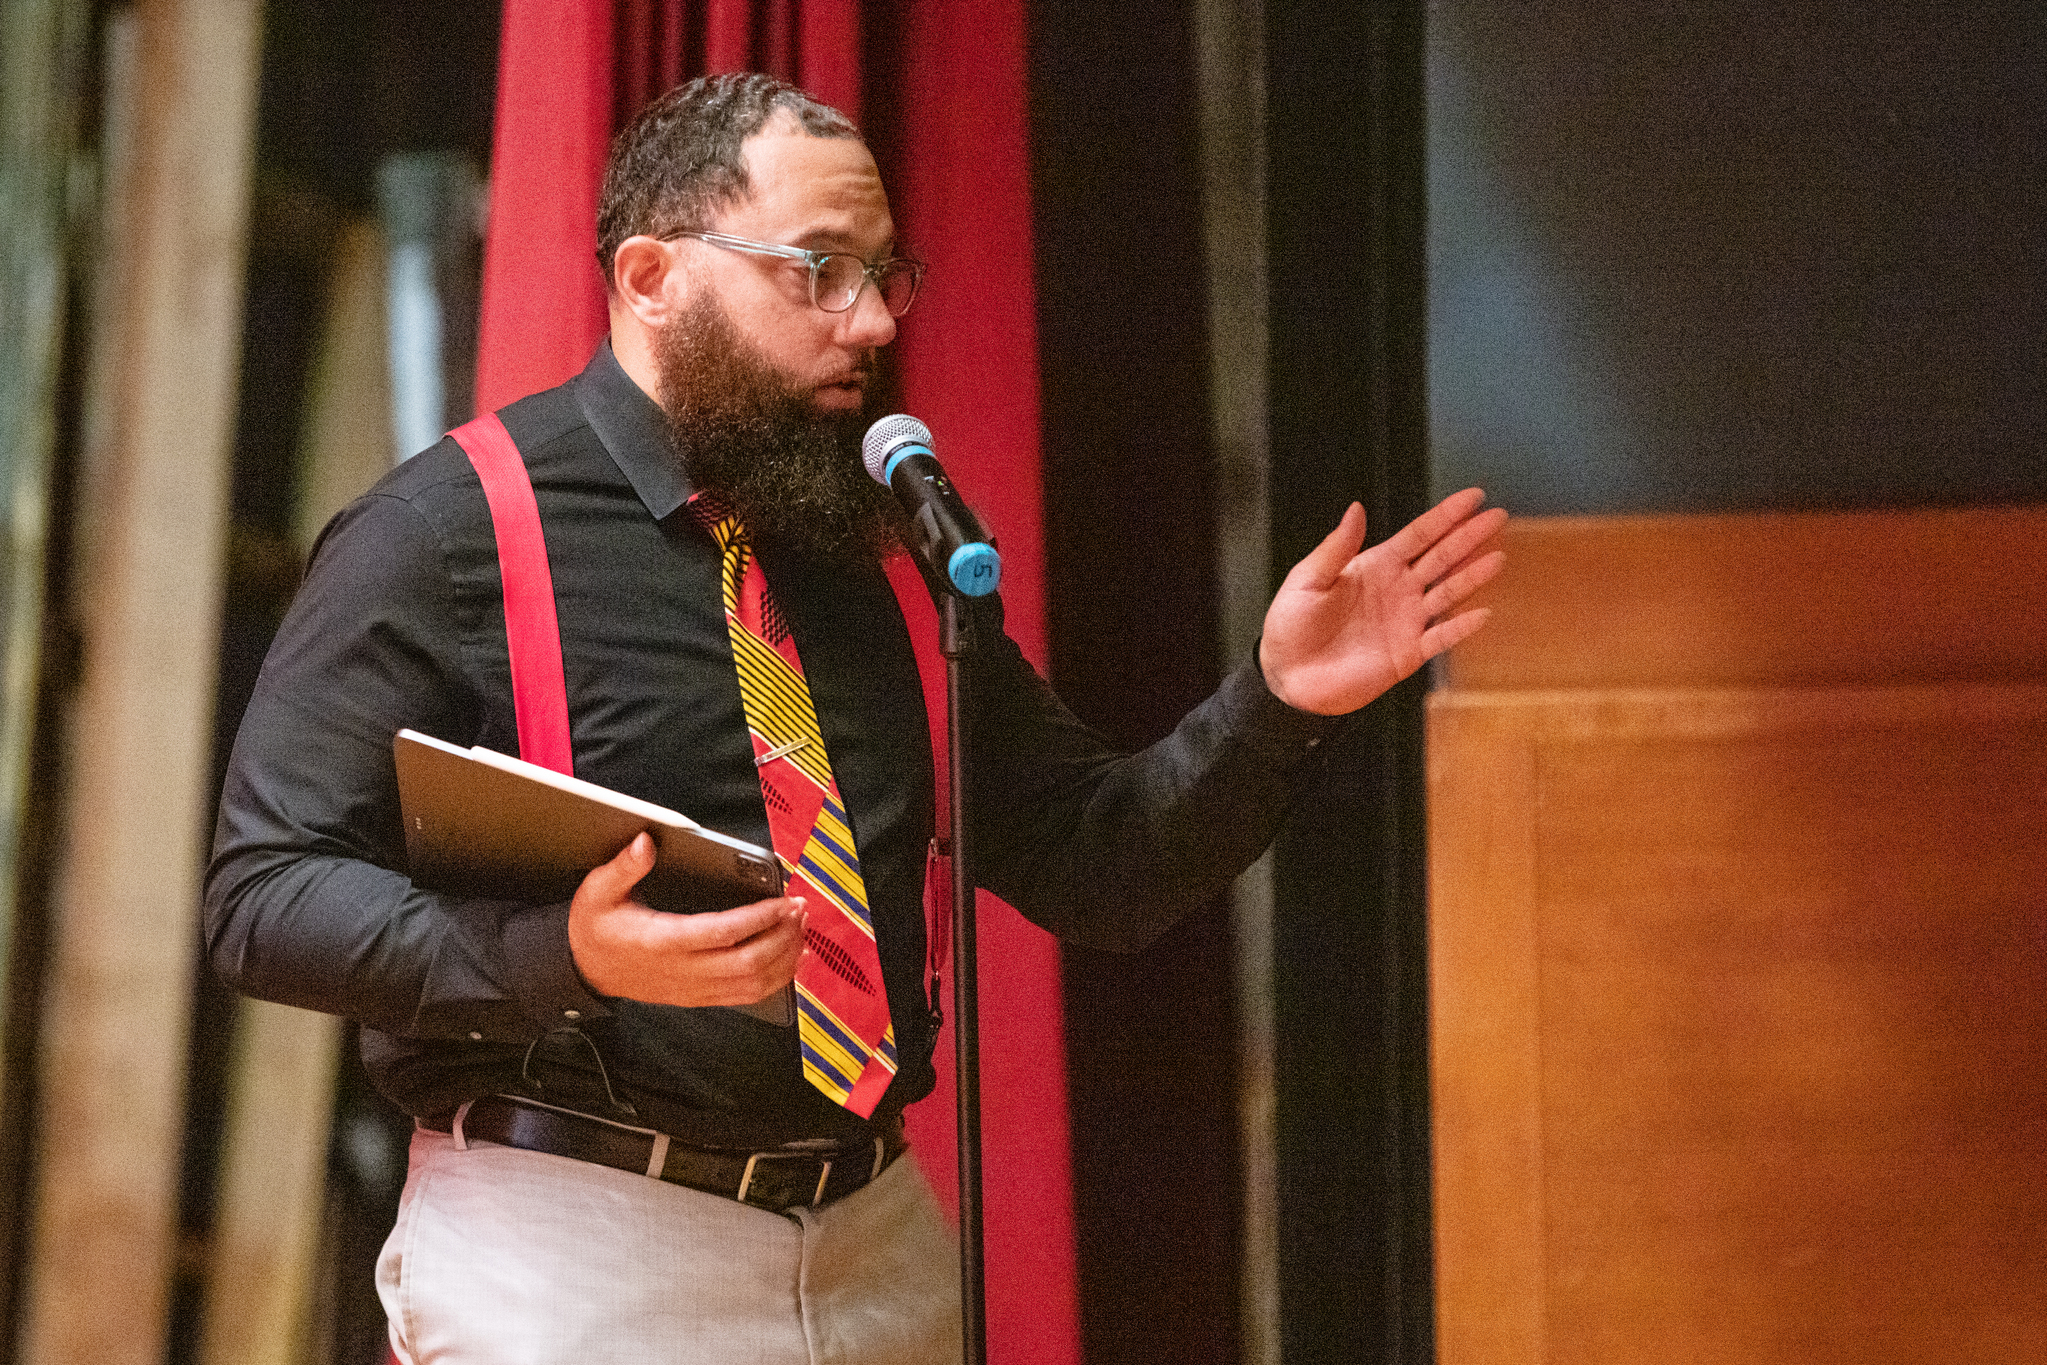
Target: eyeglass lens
<point>839,278</point>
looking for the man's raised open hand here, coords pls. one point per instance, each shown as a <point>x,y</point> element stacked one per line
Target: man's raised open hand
<point>1349,623</point>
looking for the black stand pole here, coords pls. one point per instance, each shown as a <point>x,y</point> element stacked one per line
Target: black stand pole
<point>956,642</point>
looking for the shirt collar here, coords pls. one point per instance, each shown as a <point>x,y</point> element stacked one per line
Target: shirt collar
<point>635,432</point>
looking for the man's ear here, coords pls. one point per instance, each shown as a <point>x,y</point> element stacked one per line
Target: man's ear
<point>647,277</point>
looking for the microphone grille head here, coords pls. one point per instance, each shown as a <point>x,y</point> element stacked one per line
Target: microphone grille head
<point>884,436</point>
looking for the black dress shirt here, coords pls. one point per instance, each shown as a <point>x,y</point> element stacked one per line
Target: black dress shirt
<point>400,623</point>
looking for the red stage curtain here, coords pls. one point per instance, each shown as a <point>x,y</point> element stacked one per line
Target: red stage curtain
<point>968,362</point>
<point>543,302</point>
<point>969,368</point>
<point>811,43</point>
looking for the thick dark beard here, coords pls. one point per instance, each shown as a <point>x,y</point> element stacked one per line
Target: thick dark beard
<point>792,475</point>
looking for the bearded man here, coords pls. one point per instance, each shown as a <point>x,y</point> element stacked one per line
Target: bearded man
<point>610,1164</point>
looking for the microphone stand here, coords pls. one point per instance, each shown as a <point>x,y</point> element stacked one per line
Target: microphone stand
<point>956,642</point>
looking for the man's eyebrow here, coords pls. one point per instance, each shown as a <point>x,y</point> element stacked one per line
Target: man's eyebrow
<point>838,243</point>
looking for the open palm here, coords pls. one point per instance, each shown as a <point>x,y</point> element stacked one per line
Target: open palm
<point>1348,623</point>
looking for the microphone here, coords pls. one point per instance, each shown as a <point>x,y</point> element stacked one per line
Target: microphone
<point>954,546</point>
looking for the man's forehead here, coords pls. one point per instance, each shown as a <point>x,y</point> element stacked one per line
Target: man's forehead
<point>809,185</point>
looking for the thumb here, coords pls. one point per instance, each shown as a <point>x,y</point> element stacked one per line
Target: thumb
<point>1321,566</point>
<point>614,880</point>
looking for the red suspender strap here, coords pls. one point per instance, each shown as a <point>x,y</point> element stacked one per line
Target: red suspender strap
<point>540,700</point>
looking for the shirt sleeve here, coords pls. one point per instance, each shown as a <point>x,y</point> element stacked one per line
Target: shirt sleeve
<point>307,901</point>
<point>1109,849</point>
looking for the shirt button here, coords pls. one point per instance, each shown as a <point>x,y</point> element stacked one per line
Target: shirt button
<point>572,1015</point>
<point>475,1037</point>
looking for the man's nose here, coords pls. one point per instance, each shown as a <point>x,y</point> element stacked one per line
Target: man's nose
<point>867,322</point>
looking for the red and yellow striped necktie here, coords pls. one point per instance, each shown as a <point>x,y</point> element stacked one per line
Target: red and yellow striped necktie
<point>842,1020</point>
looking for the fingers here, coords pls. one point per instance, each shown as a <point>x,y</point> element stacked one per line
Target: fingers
<point>1462,584</point>
<point>1434,544</point>
<point>1419,535</point>
<point>1447,555</point>
<point>725,930</point>
<point>723,957</point>
<point>735,957</point>
<point>1447,635</point>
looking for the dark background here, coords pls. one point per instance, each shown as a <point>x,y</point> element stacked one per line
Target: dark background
<point>1742,255</point>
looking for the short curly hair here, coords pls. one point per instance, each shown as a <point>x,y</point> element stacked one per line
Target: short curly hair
<point>680,157</point>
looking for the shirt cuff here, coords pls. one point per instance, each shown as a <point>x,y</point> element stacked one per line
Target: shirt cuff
<point>543,970</point>
<point>1256,713</point>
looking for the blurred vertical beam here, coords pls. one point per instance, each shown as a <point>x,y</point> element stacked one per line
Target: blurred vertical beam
<point>263,1259</point>
<point>41,47</point>
<point>39,61</point>
<point>265,1245</point>
<point>348,441</point>
<point>427,207</point>
<point>1348,403</point>
<point>1230,73</point>
<point>33,156</point>
<point>126,922</point>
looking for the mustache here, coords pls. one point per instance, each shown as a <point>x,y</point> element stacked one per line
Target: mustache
<point>861,373</point>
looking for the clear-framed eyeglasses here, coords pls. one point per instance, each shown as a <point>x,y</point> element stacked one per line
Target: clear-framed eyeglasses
<point>836,277</point>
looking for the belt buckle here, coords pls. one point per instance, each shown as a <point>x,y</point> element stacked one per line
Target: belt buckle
<point>753,1162</point>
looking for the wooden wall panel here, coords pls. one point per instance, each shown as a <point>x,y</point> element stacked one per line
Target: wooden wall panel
<point>1740,1010</point>
<point>1783,600</point>
<point>1485,1044</point>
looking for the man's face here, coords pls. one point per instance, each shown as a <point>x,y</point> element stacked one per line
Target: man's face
<point>763,390</point>
<point>821,194</point>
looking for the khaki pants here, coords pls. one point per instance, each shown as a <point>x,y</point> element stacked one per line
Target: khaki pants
<point>521,1258</point>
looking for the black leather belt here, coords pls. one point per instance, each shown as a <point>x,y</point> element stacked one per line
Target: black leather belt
<point>801,1175</point>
